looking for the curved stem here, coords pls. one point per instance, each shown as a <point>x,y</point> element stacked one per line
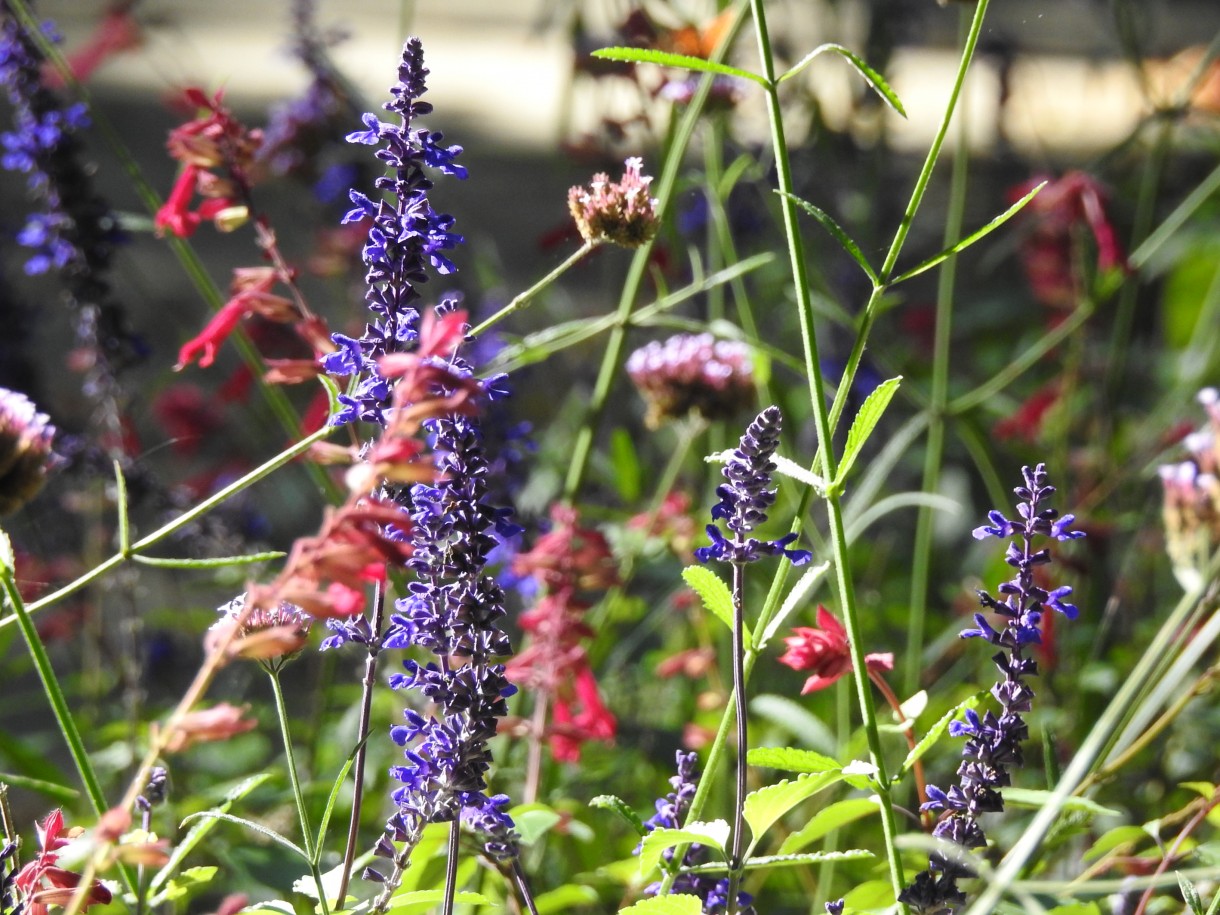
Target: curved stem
<point>524,298</point>
<point>362,733</point>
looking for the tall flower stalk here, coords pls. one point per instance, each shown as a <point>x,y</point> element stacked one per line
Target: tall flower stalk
<point>993,744</point>
<point>744,500</point>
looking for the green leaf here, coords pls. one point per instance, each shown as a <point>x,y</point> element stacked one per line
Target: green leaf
<point>189,881</point>
<point>1120,837</point>
<point>969,239</point>
<point>200,830</point>
<point>1075,908</point>
<point>870,896</point>
<point>262,830</point>
<point>533,821</point>
<point>716,597</point>
<point>1033,799</point>
<point>791,759</point>
<point>217,562</point>
<point>936,731</point>
<point>324,826</point>
<point>419,900</point>
<point>681,61</point>
<point>628,476</point>
<point>675,904</point>
<point>827,820</point>
<point>1190,894</point>
<point>793,601</point>
<point>874,79</point>
<point>768,861</point>
<point>713,835</point>
<point>7,560</point>
<point>332,394</point>
<point>805,727</point>
<point>619,806</point>
<point>864,423</point>
<point>838,233</point>
<point>762,808</point>
<point>565,898</point>
<point>59,793</point>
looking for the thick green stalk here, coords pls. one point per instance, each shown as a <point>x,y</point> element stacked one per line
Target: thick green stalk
<point>281,712</point>
<point>825,443</point>
<point>921,560</point>
<point>58,702</point>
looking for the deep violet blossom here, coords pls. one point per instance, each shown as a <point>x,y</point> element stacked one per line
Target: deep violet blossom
<point>745,498</point>
<point>993,743</point>
<point>407,238</point>
<point>671,814</point>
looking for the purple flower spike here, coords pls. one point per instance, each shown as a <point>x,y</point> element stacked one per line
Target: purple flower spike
<point>745,498</point>
<point>993,743</point>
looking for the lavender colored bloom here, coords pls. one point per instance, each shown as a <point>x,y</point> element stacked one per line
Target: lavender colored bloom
<point>25,450</point>
<point>693,372</point>
<point>747,495</point>
<point>671,814</point>
<point>74,232</point>
<point>406,239</point>
<point>993,743</point>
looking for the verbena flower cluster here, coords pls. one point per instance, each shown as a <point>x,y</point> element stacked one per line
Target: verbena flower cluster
<point>671,814</point>
<point>620,212</point>
<point>693,373</point>
<point>747,495</point>
<point>405,238</point>
<point>993,744</point>
<point>1191,507</point>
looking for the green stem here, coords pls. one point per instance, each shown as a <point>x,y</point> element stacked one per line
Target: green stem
<point>281,711</point>
<point>908,216</point>
<point>180,522</point>
<point>825,444</point>
<point>742,723</point>
<point>921,560</point>
<point>522,299</point>
<point>612,358</point>
<point>58,702</point>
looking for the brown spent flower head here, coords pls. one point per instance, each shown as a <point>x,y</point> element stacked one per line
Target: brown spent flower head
<point>621,213</point>
<point>25,450</point>
<point>693,373</point>
<point>266,633</point>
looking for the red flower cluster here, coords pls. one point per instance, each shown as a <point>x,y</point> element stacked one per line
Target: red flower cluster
<point>43,882</point>
<point>1048,252</point>
<point>554,665</point>
<point>825,652</point>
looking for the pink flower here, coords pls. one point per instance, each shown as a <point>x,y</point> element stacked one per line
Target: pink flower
<point>826,652</point>
<point>205,725</point>
<point>42,882</point>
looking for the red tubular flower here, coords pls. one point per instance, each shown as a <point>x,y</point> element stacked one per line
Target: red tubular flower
<point>1026,421</point>
<point>826,652</point>
<point>117,31</point>
<point>42,882</point>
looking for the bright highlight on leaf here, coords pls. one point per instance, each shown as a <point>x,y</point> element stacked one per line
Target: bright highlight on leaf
<point>681,61</point>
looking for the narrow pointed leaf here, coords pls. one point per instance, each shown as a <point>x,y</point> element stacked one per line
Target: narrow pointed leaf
<point>828,819</point>
<point>1191,895</point>
<point>619,806</point>
<point>1034,799</point>
<point>936,731</point>
<point>792,602</point>
<point>969,239</point>
<point>874,79</point>
<point>783,860</point>
<point>762,808</point>
<point>864,423</point>
<point>674,904</point>
<point>262,830</point>
<point>713,835</point>
<point>790,759</point>
<point>716,597</point>
<point>681,61</point>
<point>790,468</point>
<point>845,240</point>
<point>333,798</point>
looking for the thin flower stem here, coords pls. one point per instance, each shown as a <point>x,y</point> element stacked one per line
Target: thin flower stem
<point>58,702</point>
<point>178,523</point>
<point>663,188</point>
<point>825,443</point>
<point>523,887</point>
<point>739,701</point>
<point>533,765</point>
<point>522,299</point>
<point>451,866</point>
<point>908,216</point>
<point>1169,856</point>
<point>362,733</point>
<point>921,560</point>
<point>921,785</point>
<point>281,711</point>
